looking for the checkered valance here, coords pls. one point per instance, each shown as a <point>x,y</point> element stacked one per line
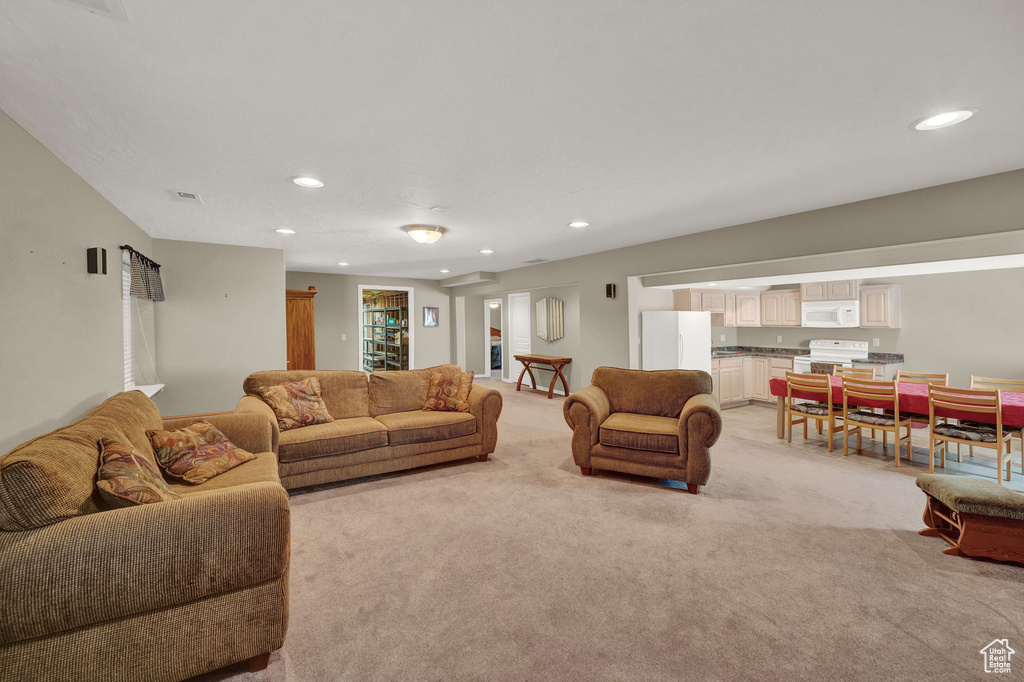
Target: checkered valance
<point>145,276</point>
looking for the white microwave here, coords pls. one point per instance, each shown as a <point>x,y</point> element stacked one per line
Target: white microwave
<point>830,314</point>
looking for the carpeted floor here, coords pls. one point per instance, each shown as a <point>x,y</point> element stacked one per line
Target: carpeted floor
<point>792,564</point>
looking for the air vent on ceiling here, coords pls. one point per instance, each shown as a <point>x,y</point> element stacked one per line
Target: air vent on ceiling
<point>535,261</point>
<point>110,9</point>
<point>187,197</point>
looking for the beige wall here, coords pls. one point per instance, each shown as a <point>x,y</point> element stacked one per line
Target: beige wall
<point>223,319</point>
<point>336,308</point>
<point>993,204</point>
<point>61,343</point>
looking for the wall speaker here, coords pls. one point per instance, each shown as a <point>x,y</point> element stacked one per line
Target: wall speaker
<point>96,261</point>
<point>609,291</point>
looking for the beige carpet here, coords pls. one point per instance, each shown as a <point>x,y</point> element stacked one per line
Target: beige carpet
<point>792,564</point>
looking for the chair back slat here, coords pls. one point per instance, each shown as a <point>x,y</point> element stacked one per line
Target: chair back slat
<point>815,384</point>
<point>922,378</point>
<point>973,400</point>
<point>872,390</point>
<point>861,372</point>
<point>1013,385</point>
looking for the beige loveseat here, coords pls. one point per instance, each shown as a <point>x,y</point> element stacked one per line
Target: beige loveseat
<point>649,423</point>
<point>161,591</point>
<point>379,425</point>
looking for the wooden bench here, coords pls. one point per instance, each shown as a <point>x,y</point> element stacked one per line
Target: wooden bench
<point>978,517</point>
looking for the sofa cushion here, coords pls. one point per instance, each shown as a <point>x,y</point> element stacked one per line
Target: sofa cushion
<point>53,477</point>
<point>126,478</point>
<point>197,452</point>
<point>419,427</point>
<point>344,391</point>
<point>641,432</point>
<point>662,393</point>
<point>297,403</point>
<point>336,438</point>
<point>449,392</point>
<point>262,469</point>
<point>403,390</point>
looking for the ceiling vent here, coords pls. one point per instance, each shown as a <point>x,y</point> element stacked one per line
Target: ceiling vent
<point>535,261</point>
<point>187,197</point>
<point>111,9</point>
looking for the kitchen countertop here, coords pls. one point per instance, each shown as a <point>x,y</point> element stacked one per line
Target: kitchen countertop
<point>725,352</point>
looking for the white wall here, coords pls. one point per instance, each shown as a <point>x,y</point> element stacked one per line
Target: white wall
<point>223,319</point>
<point>337,311</point>
<point>61,341</point>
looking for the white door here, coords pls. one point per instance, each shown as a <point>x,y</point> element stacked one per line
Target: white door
<point>520,332</point>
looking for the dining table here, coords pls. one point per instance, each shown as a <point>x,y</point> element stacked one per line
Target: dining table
<point>913,398</point>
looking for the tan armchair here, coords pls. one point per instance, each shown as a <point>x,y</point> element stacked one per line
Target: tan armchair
<point>660,424</point>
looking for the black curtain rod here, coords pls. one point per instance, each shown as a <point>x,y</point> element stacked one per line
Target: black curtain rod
<point>148,261</point>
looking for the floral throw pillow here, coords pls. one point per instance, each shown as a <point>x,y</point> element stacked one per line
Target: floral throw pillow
<point>126,478</point>
<point>297,404</point>
<point>449,392</point>
<point>196,453</point>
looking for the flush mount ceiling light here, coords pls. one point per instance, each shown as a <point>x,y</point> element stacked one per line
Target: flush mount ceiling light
<point>486,251</point>
<point>579,223</point>
<point>308,183</point>
<point>495,304</point>
<point>944,120</point>
<point>445,272</point>
<point>285,230</point>
<point>425,234</point>
<point>343,264</point>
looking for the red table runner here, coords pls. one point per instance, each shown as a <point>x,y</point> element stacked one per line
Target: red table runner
<point>914,398</point>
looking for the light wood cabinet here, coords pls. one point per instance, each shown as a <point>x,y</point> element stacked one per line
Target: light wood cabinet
<point>748,378</point>
<point>730,374</point>
<point>880,306</point>
<point>715,381</point>
<point>748,309</point>
<point>834,290</point>
<point>790,307</point>
<point>730,309</point>
<point>759,378</point>
<point>771,309</point>
<point>712,301</point>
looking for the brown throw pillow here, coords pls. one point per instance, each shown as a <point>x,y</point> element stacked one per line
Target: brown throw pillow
<point>196,453</point>
<point>449,392</point>
<point>297,404</point>
<point>126,478</point>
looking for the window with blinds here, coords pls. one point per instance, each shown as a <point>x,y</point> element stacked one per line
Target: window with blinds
<point>126,319</point>
<point>137,323</point>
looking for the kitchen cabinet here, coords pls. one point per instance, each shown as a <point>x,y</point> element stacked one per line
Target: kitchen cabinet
<point>730,374</point>
<point>712,301</point>
<point>748,378</point>
<point>759,378</point>
<point>771,309</point>
<point>730,309</point>
<point>880,306</point>
<point>777,368</point>
<point>715,381</point>
<point>790,305</point>
<point>687,299</point>
<point>748,309</point>
<point>834,290</point>
<point>780,308</point>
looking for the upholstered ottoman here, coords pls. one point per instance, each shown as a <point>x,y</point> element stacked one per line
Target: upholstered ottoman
<point>978,517</point>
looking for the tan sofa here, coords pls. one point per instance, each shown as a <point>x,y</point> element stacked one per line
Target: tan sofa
<point>154,592</point>
<point>660,424</point>
<point>379,425</point>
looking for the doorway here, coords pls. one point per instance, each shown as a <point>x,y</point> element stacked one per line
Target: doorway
<point>386,328</point>
<point>493,341</point>
<point>520,332</point>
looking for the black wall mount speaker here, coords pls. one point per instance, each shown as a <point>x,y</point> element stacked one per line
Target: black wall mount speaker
<point>96,261</point>
<point>609,291</point>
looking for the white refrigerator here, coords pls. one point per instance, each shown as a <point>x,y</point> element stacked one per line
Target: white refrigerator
<point>675,340</point>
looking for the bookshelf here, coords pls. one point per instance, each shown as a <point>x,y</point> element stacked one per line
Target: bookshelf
<point>385,338</point>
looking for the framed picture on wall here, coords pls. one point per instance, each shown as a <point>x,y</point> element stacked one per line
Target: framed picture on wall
<point>430,316</point>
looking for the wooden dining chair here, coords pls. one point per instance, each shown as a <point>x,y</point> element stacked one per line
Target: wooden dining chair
<point>986,404</point>
<point>1004,385</point>
<point>860,373</point>
<point>815,387</point>
<point>862,395</point>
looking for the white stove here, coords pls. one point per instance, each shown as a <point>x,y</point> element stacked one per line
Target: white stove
<point>827,353</point>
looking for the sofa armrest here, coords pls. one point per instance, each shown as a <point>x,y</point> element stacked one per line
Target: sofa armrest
<point>700,425</point>
<point>113,564</point>
<point>250,404</point>
<point>251,432</point>
<point>584,412</point>
<point>485,404</point>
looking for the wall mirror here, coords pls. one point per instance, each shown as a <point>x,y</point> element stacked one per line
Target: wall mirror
<point>550,326</point>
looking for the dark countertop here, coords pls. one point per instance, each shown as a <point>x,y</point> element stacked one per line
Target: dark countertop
<point>725,352</point>
<point>881,359</point>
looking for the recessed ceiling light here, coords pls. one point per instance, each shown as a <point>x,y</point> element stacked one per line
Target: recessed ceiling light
<point>445,271</point>
<point>342,264</point>
<point>309,183</point>
<point>943,120</point>
<point>285,230</point>
<point>487,251</point>
<point>579,223</point>
<point>425,234</point>
<point>712,284</point>
<point>495,304</point>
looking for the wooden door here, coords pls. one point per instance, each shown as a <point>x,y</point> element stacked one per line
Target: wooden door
<point>789,308</point>
<point>748,310</point>
<point>771,316</point>
<point>520,330</point>
<point>842,290</point>
<point>814,291</point>
<point>298,306</point>
<point>875,307</point>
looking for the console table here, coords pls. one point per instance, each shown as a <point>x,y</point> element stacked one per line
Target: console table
<point>556,363</point>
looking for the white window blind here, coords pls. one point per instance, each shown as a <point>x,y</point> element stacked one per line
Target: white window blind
<point>126,318</point>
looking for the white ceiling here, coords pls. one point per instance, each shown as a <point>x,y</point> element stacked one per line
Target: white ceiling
<point>649,120</point>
